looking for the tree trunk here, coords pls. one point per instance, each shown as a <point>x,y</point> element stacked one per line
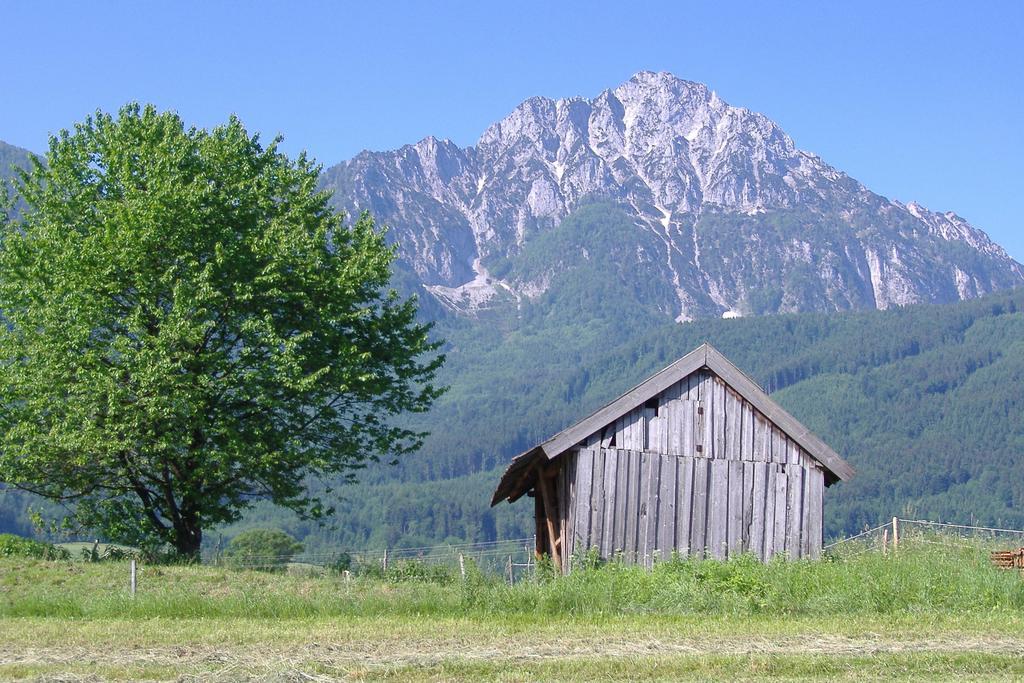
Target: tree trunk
<point>188,538</point>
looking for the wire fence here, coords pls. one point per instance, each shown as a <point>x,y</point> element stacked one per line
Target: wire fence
<point>900,532</point>
<point>513,558</point>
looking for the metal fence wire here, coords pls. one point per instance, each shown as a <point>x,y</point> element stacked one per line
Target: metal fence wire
<point>900,532</point>
<point>514,559</point>
<point>511,558</point>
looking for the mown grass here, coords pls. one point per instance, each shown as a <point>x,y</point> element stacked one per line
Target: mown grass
<point>928,612</point>
<point>895,666</point>
<point>521,647</point>
<point>719,667</point>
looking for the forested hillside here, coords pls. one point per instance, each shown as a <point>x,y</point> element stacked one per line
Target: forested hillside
<point>924,401</point>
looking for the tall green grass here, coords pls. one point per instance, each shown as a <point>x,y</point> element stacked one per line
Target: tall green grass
<point>920,579</point>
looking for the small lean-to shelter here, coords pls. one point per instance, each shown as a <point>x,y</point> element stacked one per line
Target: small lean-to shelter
<point>697,460</point>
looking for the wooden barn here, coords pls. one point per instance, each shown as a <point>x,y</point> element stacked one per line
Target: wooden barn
<point>696,460</point>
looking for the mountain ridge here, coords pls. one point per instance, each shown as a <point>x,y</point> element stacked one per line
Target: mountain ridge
<point>679,160</point>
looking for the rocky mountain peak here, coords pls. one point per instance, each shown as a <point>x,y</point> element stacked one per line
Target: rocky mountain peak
<point>727,210</point>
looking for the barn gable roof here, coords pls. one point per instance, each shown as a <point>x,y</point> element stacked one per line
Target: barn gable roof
<point>515,482</point>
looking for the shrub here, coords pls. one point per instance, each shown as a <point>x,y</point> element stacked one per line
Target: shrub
<point>340,564</point>
<point>268,549</point>
<point>109,552</point>
<point>18,546</point>
<point>418,570</point>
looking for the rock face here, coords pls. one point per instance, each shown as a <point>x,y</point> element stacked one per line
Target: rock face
<point>743,221</point>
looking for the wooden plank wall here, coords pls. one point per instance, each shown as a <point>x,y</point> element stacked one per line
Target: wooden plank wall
<point>698,470</point>
<point>644,506</point>
<point>701,417</point>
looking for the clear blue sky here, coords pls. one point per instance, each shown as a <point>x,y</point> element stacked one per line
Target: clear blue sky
<point>919,100</point>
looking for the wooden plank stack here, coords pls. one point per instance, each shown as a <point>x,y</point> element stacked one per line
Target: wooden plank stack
<point>1008,559</point>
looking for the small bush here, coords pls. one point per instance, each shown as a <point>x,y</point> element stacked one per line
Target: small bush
<point>116,553</point>
<point>545,570</point>
<point>588,559</point>
<point>18,546</point>
<point>109,552</point>
<point>368,569</point>
<point>417,570</point>
<point>341,564</point>
<point>166,555</point>
<point>267,549</point>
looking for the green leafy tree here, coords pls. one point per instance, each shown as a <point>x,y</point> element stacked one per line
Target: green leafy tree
<point>262,549</point>
<point>190,327</point>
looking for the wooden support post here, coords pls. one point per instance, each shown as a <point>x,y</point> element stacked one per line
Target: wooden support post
<point>384,562</point>
<point>462,566</point>
<point>549,516</point>
<point>539,543</point>
<point>132,577</point>
<point>511,577</point>
<point>895,534</point>
<point>885,541</point>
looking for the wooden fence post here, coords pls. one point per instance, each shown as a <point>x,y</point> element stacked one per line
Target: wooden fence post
<point>132,580</point>
<point>462,566</point>
<point>511,576</point>
<point>885,541</point>
<point>895,534</point>
<point>384,562</point>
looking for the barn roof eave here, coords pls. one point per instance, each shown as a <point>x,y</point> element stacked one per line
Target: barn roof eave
<point>514,481</point>
<point>833,463</point>
<point>517,477</point>
<point>634,398</point>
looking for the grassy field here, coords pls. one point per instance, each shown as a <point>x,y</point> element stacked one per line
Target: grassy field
<point>930,613</point>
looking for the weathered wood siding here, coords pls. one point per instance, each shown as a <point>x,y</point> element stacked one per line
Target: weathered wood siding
<point>658,504</point>
<point>700,417</point>
<point>696,471</point>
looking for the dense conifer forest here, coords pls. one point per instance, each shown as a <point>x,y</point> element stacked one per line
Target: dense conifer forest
<point>924,401</point>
